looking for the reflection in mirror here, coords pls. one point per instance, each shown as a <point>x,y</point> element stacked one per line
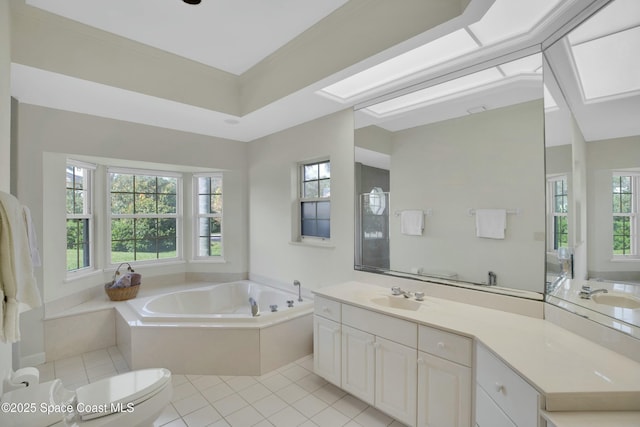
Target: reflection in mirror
<point>460,169</point>
<point>592,134</point>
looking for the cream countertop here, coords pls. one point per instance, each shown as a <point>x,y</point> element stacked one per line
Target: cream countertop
<point>573,373</point>
<point>593,419</point>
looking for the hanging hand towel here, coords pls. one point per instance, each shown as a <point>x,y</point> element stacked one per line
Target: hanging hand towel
<point>17,281</point>
<point>412,222</point>
<point>491,223</point>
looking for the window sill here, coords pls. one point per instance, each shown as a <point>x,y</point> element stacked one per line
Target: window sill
<point>213,260</point>
<point>314,244</point>
<point>629,259</point>
<point>82,275</point>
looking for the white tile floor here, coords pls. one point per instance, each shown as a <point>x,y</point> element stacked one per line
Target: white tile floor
<point>290,396</point>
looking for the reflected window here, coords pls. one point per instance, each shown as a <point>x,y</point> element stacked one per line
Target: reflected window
<point>558,209</point>
<point>315,200</point>
<point>625,218</point>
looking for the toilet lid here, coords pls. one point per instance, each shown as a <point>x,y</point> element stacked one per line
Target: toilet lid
<point>116,393</point>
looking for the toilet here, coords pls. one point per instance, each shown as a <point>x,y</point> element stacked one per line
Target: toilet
<point>131,399</point>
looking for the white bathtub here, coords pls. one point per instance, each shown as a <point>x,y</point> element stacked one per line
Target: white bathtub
<point>226,302</point>
<point>210,330</point>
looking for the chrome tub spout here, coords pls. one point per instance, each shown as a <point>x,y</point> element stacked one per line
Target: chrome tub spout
<point>255,310</point>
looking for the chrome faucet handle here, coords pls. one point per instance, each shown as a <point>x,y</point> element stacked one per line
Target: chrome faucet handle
<point>419,296</point>
<point>396,290</point>
<point>586,287</point>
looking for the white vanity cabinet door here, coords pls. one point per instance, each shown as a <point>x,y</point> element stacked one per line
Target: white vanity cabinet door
<point>396,380</point>
<point>358,364</point>
<point>444,393</point>
<point>517,398</point>
<point>327,354</point>
<point>488,414</point>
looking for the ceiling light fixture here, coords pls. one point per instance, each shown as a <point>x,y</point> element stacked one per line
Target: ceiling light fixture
<point>192,1</point>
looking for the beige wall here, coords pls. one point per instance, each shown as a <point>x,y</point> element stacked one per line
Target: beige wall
<point>485,160</point>
<point>272,192</point>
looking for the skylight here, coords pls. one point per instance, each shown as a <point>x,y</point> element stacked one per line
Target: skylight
<point>505,19</point>
<point>438,51</point>
<point>604,51</point>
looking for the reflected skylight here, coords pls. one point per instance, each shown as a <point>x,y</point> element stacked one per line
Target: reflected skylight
<point>607,66</point>
<point>509,18</point>
<point>435,93</point>
<point>604,50</point>
<point>505,20</point>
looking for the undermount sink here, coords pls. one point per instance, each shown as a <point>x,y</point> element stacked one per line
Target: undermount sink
<point>397,302</point>
<point>617,300</point>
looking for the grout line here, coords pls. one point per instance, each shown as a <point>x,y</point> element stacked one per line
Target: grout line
<point>182,420</point>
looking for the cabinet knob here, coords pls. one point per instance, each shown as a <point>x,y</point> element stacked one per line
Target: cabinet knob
<point>325,309</point>
<point>499,388</point>
<point>441,345</point>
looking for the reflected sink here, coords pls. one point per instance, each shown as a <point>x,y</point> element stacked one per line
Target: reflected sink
<point>397,302</point>
<point>617,300</point>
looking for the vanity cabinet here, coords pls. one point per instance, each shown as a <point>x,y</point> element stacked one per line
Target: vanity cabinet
<point>444,378</point>
<point>380,361</point>
<point>327,344</point>
<point>418,375</point>
<point>503,398</point>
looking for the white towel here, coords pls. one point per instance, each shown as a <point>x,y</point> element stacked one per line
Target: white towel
<point>412,222</point>
<point>491,223</point>
<point>17,281</point>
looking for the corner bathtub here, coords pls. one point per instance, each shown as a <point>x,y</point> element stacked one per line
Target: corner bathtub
<point>222,303</point>
<point>210,330</point>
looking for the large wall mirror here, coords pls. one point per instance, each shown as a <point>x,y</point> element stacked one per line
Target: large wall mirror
<point>592,125</point>
<point>450,181</point>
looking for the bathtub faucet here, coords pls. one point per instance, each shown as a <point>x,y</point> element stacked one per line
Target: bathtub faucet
<point>297,283</point>
<point>255,310</point>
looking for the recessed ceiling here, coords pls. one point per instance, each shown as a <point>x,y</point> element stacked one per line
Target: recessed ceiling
<point>230,35</point>
<point>234,35</point>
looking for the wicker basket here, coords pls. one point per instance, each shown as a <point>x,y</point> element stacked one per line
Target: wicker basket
<point>128,292</point>
<point>121,294</point>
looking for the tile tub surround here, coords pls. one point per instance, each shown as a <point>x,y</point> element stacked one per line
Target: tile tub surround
<point>573,373</point>
<point>213,348</point>
<point>97,323</point>
<point>289,396</point>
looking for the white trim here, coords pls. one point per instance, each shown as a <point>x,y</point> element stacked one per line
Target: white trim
<point>178,216</point>
<point>197,215</point>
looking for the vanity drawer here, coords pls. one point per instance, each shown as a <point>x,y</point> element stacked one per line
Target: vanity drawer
<point>389,327</point>
<point>507,389</point>
<point>327,308</point>
<point>446,345</point>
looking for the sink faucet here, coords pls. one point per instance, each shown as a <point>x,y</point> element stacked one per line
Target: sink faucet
<point>586,292</point>
<point>297,283</point>
<point>255,310</point>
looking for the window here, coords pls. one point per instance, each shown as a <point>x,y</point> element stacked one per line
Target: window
<point>315,200</point>
<point>208,189</point>
<point>625,209</point>
<point>79,216</point>
<point>145,213</point>
<point>558,207</point>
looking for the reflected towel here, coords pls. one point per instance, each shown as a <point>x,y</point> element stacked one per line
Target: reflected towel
<point>412,222</point>
<point>491,223</point>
